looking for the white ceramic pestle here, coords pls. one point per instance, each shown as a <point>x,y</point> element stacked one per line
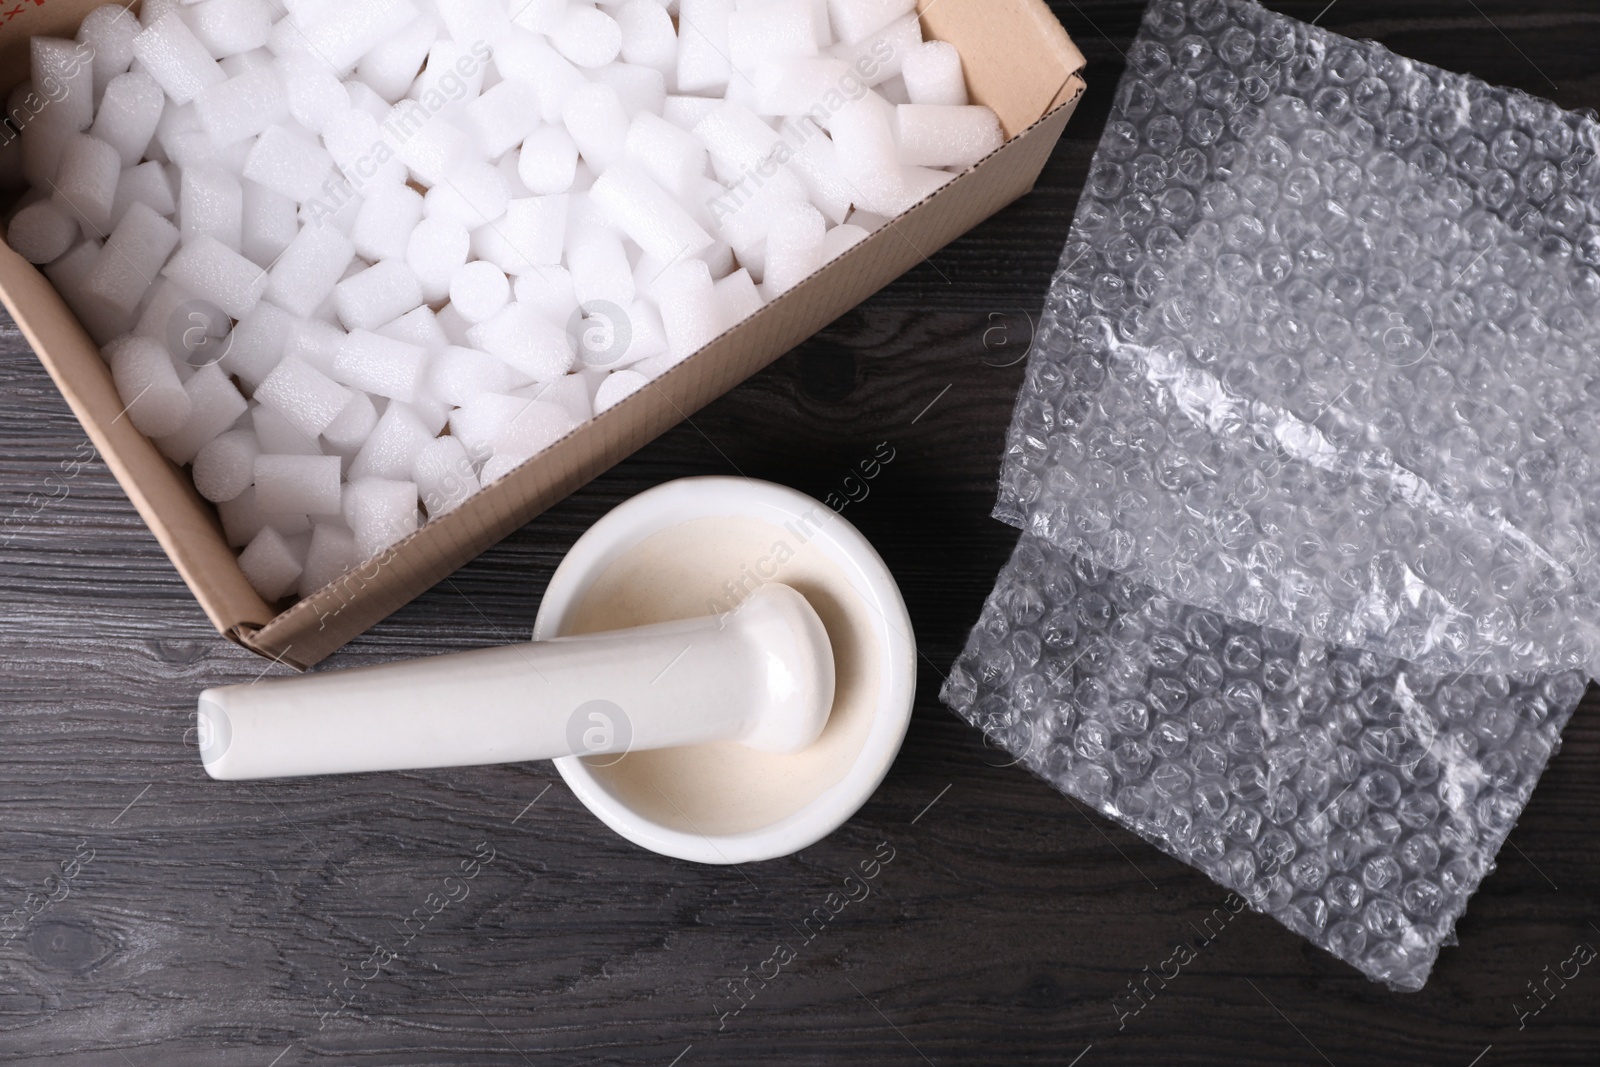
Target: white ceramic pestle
<point>762,675</point>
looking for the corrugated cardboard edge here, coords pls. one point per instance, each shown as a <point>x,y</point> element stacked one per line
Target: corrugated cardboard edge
<point>184,523</point>
<point>320,624</point>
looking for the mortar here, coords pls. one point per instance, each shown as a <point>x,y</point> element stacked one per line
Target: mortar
<point>723,670</point>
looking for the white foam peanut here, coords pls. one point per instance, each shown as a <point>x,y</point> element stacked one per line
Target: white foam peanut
<point>289,164</point>
<point>737,297</point>
<point>570,391</point>
<point>436,249</point>
<point>444,475</point>
<point>534,233</point>
<point>380,512</point>
<point>599,265</point>
<point>309,268</point>
<point>770,33</point>
<point>419,326</point>
<point>171,54</point>
<point>863,137</point>
<point>587,36</point>
<point>210,269</point>
<point>854,20</point>
<point>132,257</point>
<point>689,308</point>
<point>739,142</point>
<point>685,112</point>
<point>343,32</point>
<point>548,160</point>
<point>648,36</point>
<point>306,485</point>
<point>331,554</point>
<point>479,290</point>
<point>392,448</point>
<point>103,323</point>
<point>839,240</point>
<point>594,116</point>
<point>471,193</point>
<point>390,66</point>
<point>504,116</point>
<point>129,112</point>
<point>243,106</point>
<point>384,291</point>
<point>618,386</point>
<point>457,375</point>
<point>231,27</point>
<point>172,316</point>
<point>42,231</point>
<point>211,202</point>
<point>303,395</point>
<point>800,86</point>
<point>933,135</point>
<point>744,215</point>
<point>520,336</point>
<point>528,57</point>
<point>62,71</point>
<point>476,422</point>
<point>87,182</point>
<point>151,392</point>
<point>316,341</point>
<point>271,565</point>
<point>226,467</point>
<point>242,519</point>
<point>673,157</point>
<point>109,31</point>
<point>540,16</point>
<point>148,184</point>
<point>350,428</point>
<point>794,248</point>
<point>647,213</point>
<point>549,291</point>
<point>214,406</point>
<point>475,20</point>
<point>610,336</point>
<point>932,73</point>
<point>268,224</point>
<point>878,57</point>
<point>313,91</point>
<point>383,226</point>
<point>527,433</point>
<point>256,344</point>
<point>278,436</point>
<point>42,145</point>
<point>703,62</point>
<point>919,183</point>
<point>433,149</point>
<point>382,365</point>
<point>454,72</point>
<point>816,161</point>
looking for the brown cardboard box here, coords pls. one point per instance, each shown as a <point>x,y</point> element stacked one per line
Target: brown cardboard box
<point>1019,61</point>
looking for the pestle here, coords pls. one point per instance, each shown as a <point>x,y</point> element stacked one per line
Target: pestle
<point>761,676</point>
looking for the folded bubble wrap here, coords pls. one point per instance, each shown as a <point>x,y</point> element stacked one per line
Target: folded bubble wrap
<point>1356,798</point>
<point>1321,349</point>
<point>1309,470</point>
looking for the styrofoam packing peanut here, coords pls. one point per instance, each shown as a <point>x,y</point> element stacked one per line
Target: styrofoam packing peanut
<point>387,220</point>
<point>227,466</point>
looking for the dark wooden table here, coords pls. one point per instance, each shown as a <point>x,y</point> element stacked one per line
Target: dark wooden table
<point>214,922</point>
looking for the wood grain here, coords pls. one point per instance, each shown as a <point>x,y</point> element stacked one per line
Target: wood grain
<point>214,921</point>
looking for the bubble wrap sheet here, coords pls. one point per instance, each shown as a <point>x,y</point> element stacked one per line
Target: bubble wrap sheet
<point>1321,349</point>
<point>1305,461</point>
<point>1356,798</point>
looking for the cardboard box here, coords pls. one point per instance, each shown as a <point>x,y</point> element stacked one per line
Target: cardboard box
<point>1019,61</point>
